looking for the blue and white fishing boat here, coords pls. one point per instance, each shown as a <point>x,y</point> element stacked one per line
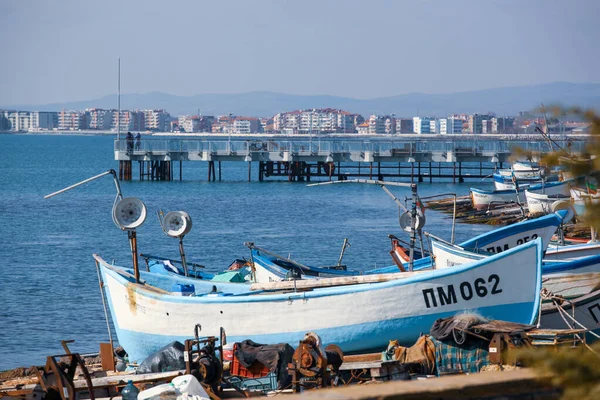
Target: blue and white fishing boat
<point>448,255</point>
<point>558,252</point>
<point>484,199</point>
<point>513,235</point>
<point>545,198</point>
<point>357,313</point>
<point>583,197</point>
<point>504,180</point>
<point>584,309</point>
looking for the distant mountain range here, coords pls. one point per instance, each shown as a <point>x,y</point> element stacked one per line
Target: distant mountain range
<point>502,101</point>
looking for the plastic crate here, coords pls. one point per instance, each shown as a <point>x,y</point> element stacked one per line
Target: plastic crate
<point>256,370</point>
<point>265,384</point>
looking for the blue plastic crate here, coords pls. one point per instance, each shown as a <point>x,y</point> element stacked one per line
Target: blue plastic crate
<point>264,384</point>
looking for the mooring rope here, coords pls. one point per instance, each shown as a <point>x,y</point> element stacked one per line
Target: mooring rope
<point>548,295</point>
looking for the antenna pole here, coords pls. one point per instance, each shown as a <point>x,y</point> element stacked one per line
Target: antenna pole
<point>119,103</point>
<point>346,244</point>
<point>110,171</point>
<point>185,268</point>
<point>134,254</point>
<point>413,223</point>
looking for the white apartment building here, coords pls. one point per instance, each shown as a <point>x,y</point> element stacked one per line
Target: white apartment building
<point>43,120</point>
<point>376,124</point>
<point>19,121</point>
<point>189,123</point>
<point>449,126</point>
<point>423,125</point>
<point>129,121</point>
<point>156,120</point>
<point>71,120</point>
<point>315,121</point>
<point>246,125</point>
<point>100,119</point>
<point>433,126</point>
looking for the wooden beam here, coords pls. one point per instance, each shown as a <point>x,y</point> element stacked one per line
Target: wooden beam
<point>328,282</point>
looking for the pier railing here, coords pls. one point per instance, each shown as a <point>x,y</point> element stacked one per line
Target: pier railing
<point>265,149</point>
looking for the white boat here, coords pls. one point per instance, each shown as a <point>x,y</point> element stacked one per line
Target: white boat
<point>483,199</point>
<point>521,169</point>
<point>557,252</point>
<point>358,313</point>
<point>571,285</point>
<point>585,309</point>
<point>543,203</point>
<point>583,197</point>
<point>568,278</point>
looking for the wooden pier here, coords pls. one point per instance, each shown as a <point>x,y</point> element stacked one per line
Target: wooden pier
<point>453,158</point>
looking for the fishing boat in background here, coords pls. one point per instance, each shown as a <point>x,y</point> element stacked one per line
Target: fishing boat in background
<point>357,313</point>
<point>543,203</point>
<point>557,251</point>
<point>504,180</point>
<point>485,199</point>
<point>561,314</point>
<point>448,255</point>
<point>584,196</point>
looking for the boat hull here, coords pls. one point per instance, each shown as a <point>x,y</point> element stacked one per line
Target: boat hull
<point>558,253</point>
<point>357,317</point>
<point>485,199</point>
<point>587,312</point>
<point>541,203</point>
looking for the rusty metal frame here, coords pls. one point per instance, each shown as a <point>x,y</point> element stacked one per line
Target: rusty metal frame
<point>60,378</point>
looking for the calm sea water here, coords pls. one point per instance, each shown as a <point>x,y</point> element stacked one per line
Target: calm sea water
<point>48,283</point>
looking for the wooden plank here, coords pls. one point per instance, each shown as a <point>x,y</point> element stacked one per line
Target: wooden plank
<point>511,384</point>
<point>362,357</point>
<point>118,379</point>
<point>360,365</point>
<point>107,357</point>
<point>329,282</point>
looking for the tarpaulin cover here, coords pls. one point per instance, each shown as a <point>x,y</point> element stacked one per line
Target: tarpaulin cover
<point>169,358</point>
<point>469,357</point>
<point>229,276</point>
<point>276,357</point>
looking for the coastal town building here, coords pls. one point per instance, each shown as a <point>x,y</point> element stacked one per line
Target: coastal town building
<point>72,120</point>
<point>100,119</point>
<point>129,121</point>
<point>376,124</point>
<point>266,125</point>
<point>243,125</point>
<point>502,124</point>
<point>315,121</point>
<point>4,122</point>
<point>423,125</point>
<point>188,123</point>
<point>363,128</point>
<point>156,120</point>
<point>450,126</point>
<point>404,125</point>
<point>476,124</point>
<point>43,120</point>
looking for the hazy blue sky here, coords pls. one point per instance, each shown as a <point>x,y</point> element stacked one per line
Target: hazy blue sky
<point>54,51</point>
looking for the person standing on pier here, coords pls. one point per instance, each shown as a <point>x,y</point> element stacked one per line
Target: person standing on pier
<point>129,140</point>
<point>138,141</point>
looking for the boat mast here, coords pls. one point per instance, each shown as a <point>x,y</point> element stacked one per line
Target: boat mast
<point>119,102</point>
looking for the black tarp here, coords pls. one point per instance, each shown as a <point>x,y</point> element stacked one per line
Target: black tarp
<point>169,358</point>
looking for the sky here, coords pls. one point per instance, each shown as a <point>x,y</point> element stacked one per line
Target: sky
<point>68,50</point>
